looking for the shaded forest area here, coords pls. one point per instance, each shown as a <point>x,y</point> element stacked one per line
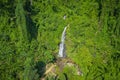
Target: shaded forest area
<point>30,33</point>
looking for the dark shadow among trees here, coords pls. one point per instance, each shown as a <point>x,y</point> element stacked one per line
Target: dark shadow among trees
<point>40,66</point>
<point>32,28</point>
<point>65,76</point>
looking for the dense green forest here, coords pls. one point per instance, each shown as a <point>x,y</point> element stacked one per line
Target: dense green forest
<point>30,34</point>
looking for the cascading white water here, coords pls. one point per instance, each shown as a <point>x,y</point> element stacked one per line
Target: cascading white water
<point>62,45</point>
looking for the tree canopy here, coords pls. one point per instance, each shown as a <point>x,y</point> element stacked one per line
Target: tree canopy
<point>30,34</point>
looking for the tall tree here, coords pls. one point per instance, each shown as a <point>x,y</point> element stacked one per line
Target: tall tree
<point>21,21</point>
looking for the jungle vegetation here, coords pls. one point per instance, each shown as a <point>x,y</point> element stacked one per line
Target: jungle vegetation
<point>30,33</point>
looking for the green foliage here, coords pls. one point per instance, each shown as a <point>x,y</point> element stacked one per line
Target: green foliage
<point>30,73</point>
<point>30,32</point>
<point>21,21</point>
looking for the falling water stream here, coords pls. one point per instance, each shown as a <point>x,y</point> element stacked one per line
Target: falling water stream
<point>62,45</point>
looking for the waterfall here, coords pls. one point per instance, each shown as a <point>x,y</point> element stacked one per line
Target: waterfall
<point>62,45</point>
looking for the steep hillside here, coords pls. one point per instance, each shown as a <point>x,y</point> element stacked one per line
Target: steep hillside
<point>30,35</point>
